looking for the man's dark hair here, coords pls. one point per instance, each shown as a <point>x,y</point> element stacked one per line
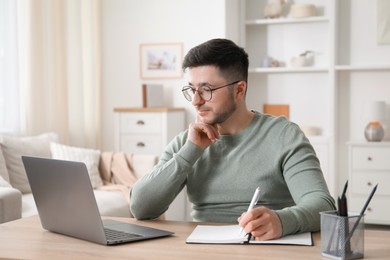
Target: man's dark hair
<point>231,59</point>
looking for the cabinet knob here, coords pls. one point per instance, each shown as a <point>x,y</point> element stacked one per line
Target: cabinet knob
<point>140,122</point>
<point>369,209</point>
<point>369,158</point>
<point>369,184</point>
<point>140,144</point>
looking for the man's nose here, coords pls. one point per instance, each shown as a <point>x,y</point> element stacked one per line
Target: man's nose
<point>197,99</point>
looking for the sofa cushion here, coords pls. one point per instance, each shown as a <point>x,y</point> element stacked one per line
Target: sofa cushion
<point>112,203</point>
<point>14,147</point>
<point>28,205</point>
<point>90,157</point>
<point>10,204</point>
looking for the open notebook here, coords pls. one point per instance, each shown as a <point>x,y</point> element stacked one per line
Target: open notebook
<point>231,234</point>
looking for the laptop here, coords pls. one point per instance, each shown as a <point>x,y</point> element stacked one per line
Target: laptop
<point>66,204</point>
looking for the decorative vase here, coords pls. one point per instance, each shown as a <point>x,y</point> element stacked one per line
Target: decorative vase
<point>374,132</point>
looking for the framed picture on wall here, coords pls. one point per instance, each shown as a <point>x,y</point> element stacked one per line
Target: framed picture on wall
<point>161,60</point>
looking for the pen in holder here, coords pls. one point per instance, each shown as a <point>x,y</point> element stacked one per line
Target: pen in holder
<point>337,241</point>
<point>342,234</point>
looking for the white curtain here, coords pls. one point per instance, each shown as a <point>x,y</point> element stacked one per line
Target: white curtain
<point>9,91</point>
<point>59,69</point>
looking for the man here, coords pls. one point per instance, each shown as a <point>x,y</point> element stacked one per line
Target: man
<point>230,151</point>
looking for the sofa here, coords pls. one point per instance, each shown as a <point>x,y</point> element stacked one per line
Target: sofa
<point>112,174</point>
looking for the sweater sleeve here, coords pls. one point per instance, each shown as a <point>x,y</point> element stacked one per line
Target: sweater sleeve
<point>153,193</point>
<point>304,178</point>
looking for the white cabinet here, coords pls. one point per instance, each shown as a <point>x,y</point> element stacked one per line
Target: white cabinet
<point>369,164</point>
<point>309,90</point>
<point>148,131</point>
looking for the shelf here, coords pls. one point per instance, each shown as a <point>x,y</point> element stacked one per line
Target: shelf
<point>319,69</point>
<point>318,19</point>
<point>362,67</point>
<point>366,143</point>
<point>288,70</point>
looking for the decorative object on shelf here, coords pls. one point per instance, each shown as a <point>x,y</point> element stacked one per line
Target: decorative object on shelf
<point>302,10</point>
<point>152,95</point>
<point>161,61</point>
<point>277,110</point>
<point>375,112</point>
<point>274,10</point>
<point>270,62</point>
<point>304,59</point>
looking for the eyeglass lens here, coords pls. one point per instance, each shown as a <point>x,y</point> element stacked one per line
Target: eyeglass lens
<point>203,91</point>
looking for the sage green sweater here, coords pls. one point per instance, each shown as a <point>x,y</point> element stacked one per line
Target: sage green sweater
<point>271,153</point>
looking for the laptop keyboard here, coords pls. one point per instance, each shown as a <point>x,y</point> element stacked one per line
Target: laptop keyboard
<point>115,235</point>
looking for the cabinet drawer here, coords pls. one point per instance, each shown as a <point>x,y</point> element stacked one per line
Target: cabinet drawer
<point>141,123</point>
<point>363,182</point>
<point>370,158</point>
<point>377,212</point>
<point>141,144</point>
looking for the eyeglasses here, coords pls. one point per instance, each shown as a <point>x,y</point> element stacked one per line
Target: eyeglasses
<point>205,92</point>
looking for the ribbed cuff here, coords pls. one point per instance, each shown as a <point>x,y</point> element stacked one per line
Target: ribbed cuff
<point>288,221</point>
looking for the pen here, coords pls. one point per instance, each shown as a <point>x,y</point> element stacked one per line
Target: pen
<point>345,189</point>
<point>368,200</point>
<point>361,213</point>
<point>342,203</point>
<point>249,238</point>
<point>254,200</point>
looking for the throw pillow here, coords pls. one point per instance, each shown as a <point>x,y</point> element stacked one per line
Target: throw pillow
<point>14,147</point>
<point>90,157</point>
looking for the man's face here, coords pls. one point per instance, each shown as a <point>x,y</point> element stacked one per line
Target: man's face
<point>222,104</point>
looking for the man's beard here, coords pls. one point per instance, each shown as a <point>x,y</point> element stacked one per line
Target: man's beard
<point>222,117</point>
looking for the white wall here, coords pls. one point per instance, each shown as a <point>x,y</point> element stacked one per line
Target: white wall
<point>127,24</point>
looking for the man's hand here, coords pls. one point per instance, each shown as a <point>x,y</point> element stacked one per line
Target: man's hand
<point>201,134</point>
<point>262,223</point>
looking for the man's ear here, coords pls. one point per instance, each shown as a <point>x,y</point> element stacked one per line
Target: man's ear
<point>241,89</point>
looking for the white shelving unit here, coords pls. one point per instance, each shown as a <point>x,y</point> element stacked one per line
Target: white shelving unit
<point>362,75</point>
<point>282,39</point>
<point>350,69</point>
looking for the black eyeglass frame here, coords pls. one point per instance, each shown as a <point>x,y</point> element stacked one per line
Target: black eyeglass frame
<point>189,98</point>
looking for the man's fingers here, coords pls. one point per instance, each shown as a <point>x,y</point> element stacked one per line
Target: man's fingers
<point>262,223</point>
<point>209,130</point>
<point>246,218</point>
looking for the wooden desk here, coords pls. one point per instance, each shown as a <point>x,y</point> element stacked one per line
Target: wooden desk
<point>25,239</point>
